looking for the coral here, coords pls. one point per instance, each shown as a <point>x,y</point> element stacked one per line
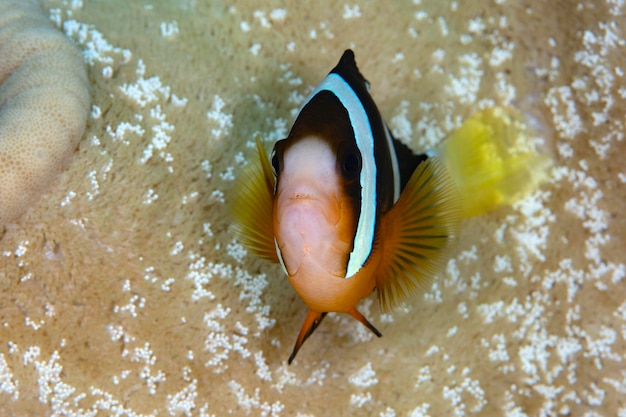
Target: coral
<point>44,102</point>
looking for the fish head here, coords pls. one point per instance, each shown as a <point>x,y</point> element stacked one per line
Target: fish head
<point>314,218</point>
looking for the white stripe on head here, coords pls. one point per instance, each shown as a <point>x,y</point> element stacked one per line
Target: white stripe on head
<point>280,257</point>
<point>359,120</point>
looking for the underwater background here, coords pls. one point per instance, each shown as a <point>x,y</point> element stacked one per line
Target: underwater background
<point>123,291</point>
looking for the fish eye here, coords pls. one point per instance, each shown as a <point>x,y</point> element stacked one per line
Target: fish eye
<point>350,163</point>
<point>275,165</point>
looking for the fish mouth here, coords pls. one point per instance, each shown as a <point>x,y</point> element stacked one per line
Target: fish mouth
<point>303,196</point>
<point>326,204</point>
<point>303,192</point>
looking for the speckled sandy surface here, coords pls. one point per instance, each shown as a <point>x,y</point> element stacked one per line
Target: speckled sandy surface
<point>122,291</point>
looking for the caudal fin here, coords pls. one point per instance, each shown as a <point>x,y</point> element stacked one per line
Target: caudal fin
<point>491,161</point>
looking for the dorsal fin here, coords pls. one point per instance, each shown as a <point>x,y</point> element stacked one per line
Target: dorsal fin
<point>348,70</point>
<point>408,161</point>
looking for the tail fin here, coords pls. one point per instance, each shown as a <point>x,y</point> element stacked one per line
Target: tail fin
<point>491,161</point>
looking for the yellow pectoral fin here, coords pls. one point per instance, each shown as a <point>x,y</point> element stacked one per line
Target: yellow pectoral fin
<point>251,206</point>
<point>491,160</point>
<point>416,232</point>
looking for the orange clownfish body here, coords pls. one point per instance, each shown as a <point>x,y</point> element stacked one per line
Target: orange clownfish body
<point>347,209</point>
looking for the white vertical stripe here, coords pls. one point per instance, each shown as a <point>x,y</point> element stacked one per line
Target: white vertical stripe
<point>280,257</point>
<point>394,165</point>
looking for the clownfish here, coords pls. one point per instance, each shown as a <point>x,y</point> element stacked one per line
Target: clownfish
<point>347,209</point>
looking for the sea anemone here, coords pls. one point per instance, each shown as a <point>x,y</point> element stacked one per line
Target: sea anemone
<point>44,101</point>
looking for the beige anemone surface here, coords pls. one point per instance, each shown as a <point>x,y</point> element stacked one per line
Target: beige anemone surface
<point>123,292</point>
<point>44,102</point>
